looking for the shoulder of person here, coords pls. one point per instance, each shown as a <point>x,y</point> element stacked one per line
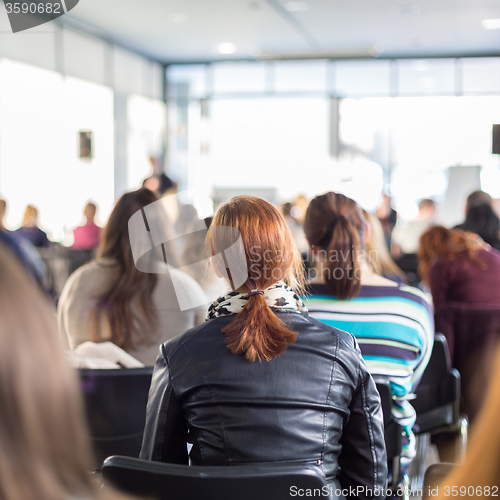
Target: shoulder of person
<point>416,294</point>
<point>188,283</point>
<point>346,339</point>
<point>170,347</point>
<point>88,273</point>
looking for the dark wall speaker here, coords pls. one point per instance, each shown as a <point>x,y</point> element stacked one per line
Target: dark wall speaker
<point>496,140</point>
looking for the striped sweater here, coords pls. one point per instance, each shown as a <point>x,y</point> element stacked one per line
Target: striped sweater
<point>394,327</point>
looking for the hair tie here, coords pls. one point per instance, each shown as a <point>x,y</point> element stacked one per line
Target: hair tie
<point>253,289</point>
<point>333,222</point>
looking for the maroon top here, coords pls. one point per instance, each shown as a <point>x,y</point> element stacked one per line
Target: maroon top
<point>461,280</point>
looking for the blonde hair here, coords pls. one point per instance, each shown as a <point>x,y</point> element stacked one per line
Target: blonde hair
<point>30,215</point>
<point>382,263</point>
<point>44,450</point>
<point>482,463</point>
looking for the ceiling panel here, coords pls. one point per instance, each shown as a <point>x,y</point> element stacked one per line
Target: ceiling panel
<point>190,30</point>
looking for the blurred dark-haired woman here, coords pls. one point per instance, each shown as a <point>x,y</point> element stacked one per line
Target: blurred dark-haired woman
<point>260,380</point>
<point>463,274</point>
<point>483,221</point>
<point>109,299</point>
<point>392,322</point>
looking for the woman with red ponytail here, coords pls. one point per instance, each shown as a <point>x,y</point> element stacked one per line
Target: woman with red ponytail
<point>260,380</point>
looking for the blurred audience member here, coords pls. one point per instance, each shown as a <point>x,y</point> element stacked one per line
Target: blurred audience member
<point>387,217</point>
<point>3,212</point>
<point>44,447</point>
<point>24,250</point>
<point>87,237</point>
<point>463,274</point>
<point>194,250</point>
<point>299,208</point>
<point>29,229</point>
<point>459,267</point>
<point>475,199</point>
<point>406,235</point>
<point>159,182</point>
<point>187,219</point>
<point>377,253</point>
<point>295,227</point>
<point>483,221</point>
<point>110,299</point>
<point>392,323</point>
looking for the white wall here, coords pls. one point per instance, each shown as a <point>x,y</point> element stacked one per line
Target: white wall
<point>31,144</point>
<point>54,82</point>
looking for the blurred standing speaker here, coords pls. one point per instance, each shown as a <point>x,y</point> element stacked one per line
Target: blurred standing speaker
<point>496,140</point>
<point>86,144</point>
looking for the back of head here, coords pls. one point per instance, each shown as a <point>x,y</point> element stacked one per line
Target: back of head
<point>286,209</point>
<point>377,252</point>
<point>478,198</point>
<point>3,211</point>
<point>90,210</point>
<point>483,221</point>
<point>438,241</point>
<point>271,257</point>
<point>427,207</point>
<point>44,454</point>
<point>334,227</point>
<point>30,216</point>
<point>130,283</point>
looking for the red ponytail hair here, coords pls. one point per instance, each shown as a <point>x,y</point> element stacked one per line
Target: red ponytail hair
<point>271,255</point>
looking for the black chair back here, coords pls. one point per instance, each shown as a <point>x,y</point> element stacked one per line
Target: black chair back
<point>393,433</point>
<point>115,404</point>
<point>243,482</point>
<point>408,263</point>
<point>437,401</point>
<point>78,258</point>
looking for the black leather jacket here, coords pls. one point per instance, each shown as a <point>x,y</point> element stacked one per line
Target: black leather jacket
<point>315,403</point>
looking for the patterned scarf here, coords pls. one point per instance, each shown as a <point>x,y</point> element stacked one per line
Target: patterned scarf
<point>280,297</point>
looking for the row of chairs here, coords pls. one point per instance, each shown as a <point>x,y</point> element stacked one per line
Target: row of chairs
<point>117,432</point>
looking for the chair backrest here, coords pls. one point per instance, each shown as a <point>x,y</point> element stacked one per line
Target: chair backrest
<point>115,404</point>
<point>392,430</point>
<point>408,263</point>
<point>384,390</point>
<point>78,258</point>
<point>245,482</point>
<point>440,383</point>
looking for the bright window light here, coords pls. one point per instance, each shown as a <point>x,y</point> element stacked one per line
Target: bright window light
<point>491,24</point>
<point>146,129</point>
<point>31,156</point>
<point>226,48</point>
<point>297,6</point>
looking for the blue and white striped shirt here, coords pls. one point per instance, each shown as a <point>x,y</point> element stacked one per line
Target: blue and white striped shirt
<point>394,327</point>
